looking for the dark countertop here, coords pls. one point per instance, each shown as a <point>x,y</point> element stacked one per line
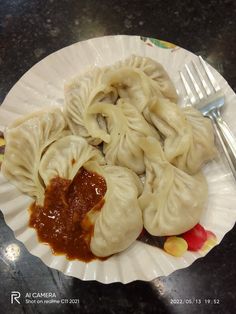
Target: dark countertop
<point>30,30</point>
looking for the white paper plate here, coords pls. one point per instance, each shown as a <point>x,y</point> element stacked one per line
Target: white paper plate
<point>43,85</point>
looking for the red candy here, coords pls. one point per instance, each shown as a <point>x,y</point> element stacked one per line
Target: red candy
<point>195,237</point>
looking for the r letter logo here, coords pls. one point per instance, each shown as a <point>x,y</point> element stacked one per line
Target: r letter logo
<point>15,295</point>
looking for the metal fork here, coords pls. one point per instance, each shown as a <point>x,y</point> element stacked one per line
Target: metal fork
<point>210,100</point>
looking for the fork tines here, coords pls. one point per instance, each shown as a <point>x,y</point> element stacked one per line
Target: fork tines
<point>201,79</point>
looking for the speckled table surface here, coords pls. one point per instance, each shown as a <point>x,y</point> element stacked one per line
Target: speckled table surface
<point>30,30</point>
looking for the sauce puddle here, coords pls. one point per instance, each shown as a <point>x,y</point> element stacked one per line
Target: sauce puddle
<point>61,222</point>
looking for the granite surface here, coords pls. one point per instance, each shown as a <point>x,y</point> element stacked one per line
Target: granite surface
<point>30,30</point>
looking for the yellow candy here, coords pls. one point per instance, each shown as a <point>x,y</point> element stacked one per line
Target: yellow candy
<point>175,246</point>
<point>2,141</point>
<point>209,244</point>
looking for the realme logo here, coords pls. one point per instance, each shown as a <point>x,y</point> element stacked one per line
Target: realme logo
<point>15,295</point>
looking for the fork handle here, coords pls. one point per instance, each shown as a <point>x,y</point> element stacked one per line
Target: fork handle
<point>227,139</point>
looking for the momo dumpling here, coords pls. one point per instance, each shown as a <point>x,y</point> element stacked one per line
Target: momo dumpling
<point>172,201</point>
<point>169,120</point>
<point>202,145</point>
<point>188,136</point>
<point>66,156</point>
<point>26,141</point>
<point>80,95</point>
<point>126,126</point>
<point>159,79</point>
<point>119,222</point>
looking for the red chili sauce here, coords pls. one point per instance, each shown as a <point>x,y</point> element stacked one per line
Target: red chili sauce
<point>61,221</point>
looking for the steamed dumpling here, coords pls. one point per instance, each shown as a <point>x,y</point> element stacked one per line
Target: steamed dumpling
<point>119,222</point>
<point>202,145</point>
<point>26,141</point>
<point>167,117</point>
<point>66,156</point>
<point>126,126</point>
<point>159,79</point>
<point>80,95</point>
<point>188,135</point>
<point>172,201</point>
